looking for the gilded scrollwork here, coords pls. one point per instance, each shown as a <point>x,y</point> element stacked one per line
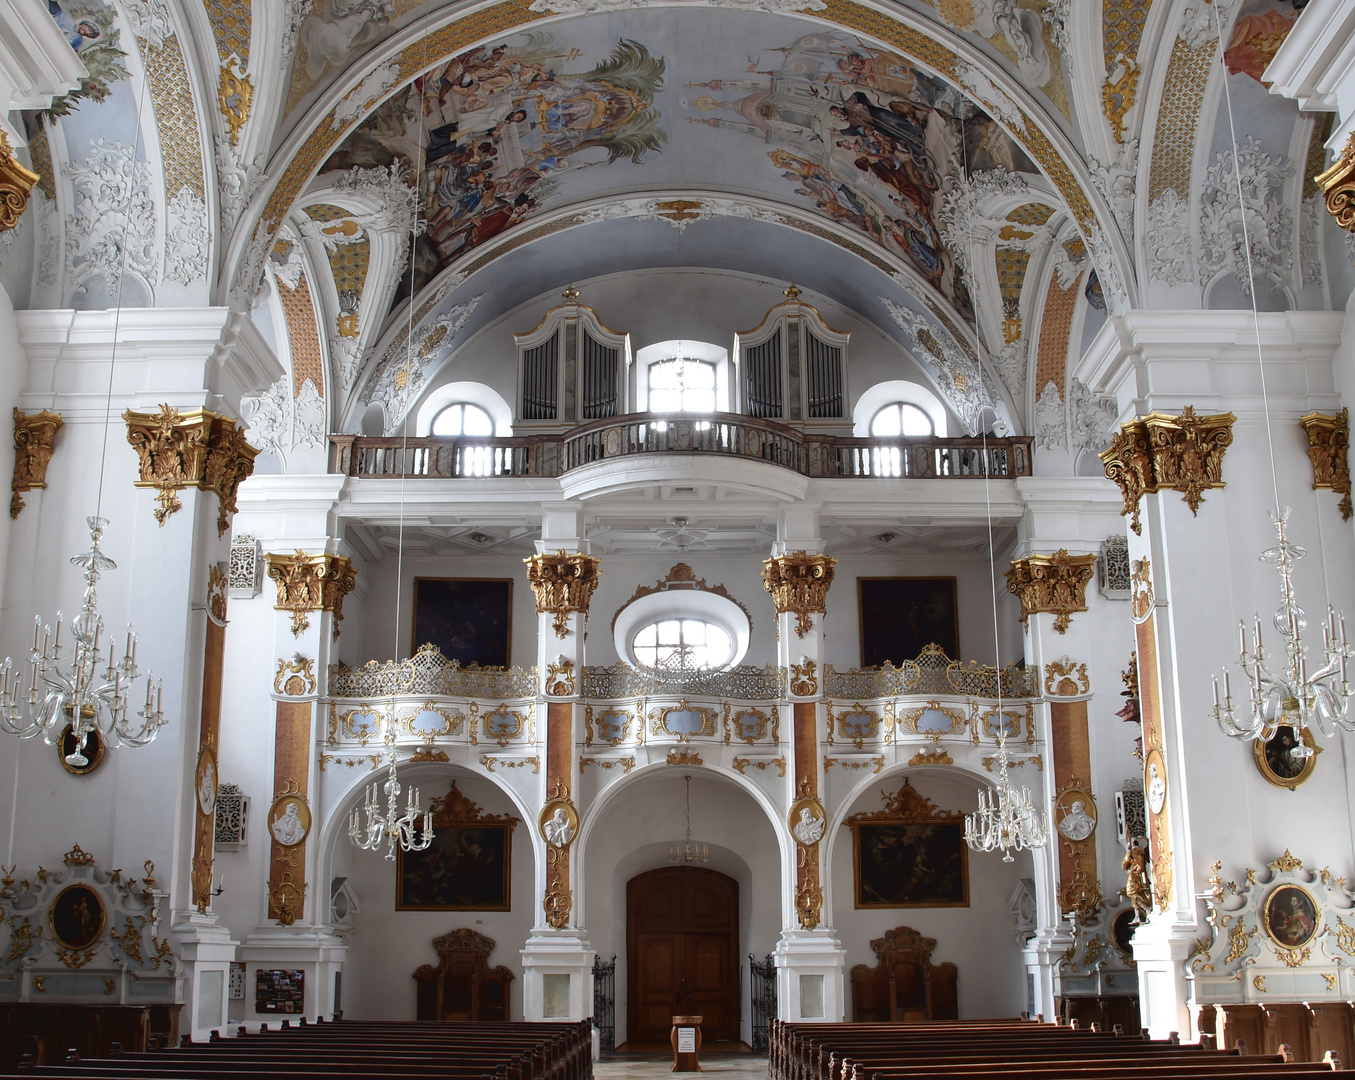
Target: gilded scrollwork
<point>560,678</point>
<point>1338,185</point>
<point>34,442</point>
<point>1066,678</point>
<point>798,584</point>
<point>1056,584</point>
<point>742,765</point>
<point>1157,451</point>
<point>803,680</point>
<point>296,676</point>
<point>198,449</point>
<point>16,184</point>
<point>934,756</point>
<point>684,757</point>
<point>311,582</point>
<point>563,584</point>
<point>1328,450</point>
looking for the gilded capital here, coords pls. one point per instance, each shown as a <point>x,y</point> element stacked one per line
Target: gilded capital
<point>563,585</point>
<point>799,585</point>
<point>198,449</point>
<point>1157,451</point>
<point>1056,584</point>
<point>34,435</point>
<point>311,582</point>
<point>16,184</point>
<point>1328,447</point>
<point>1338,185</point>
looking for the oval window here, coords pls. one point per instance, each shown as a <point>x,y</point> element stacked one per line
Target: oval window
<point>682,645</point>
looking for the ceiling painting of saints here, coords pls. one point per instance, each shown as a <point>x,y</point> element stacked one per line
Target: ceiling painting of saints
<point>871,141</point>
<point>499,126</point>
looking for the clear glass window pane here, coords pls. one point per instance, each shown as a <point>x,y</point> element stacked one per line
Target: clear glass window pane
<point>900,418</point>
<point>681,385</point>
<point>463,419</point>
<point>690,644</point>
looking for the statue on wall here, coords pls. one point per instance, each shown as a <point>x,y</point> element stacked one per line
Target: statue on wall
<point>1136,886</point>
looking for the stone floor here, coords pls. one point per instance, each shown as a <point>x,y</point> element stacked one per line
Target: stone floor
<point>721,1066</point>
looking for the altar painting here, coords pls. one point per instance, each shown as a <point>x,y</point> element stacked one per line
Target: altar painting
<point>900,616</point>
<point>909,854</point>
<point>467,867</point>
<point>469,619</point>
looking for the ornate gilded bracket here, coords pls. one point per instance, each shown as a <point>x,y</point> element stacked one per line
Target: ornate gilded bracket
<point>34,434</point>
<point>1338,184</point>
<point>309,583</point>
<point>1328,446</point>
<point>16,184</point>
<point>1056,584</point>
<point>563,584</point>
<point>799,585</point>
<point>1161,451</point>
<point>197,448</point>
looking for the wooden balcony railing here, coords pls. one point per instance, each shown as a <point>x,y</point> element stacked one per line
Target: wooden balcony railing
<point>647,433</point>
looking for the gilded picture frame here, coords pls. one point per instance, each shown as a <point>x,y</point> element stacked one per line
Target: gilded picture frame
<point>468,866</point>
<point>909,855</point>
<point>1273,761</point>
<point>77,916</point>
<point>94,751</point>
<point>1291,917</point>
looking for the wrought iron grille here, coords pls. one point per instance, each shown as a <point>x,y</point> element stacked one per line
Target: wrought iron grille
<point>743,683</point>
<point>604,1003</point>
<point>762,987</point>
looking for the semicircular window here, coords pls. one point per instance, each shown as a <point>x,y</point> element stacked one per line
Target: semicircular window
<point>461,418</point>
<point>682,645</point>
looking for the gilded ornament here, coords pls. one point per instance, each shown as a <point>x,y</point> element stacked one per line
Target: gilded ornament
<point>563,585</point>
<point>1066,678</point>
<point>684,757</point>
<point>234,96</point>
<point>1239,939</point>
<point>742,765</point>
<point>198,449</point>
<point>1345,937</point>
<point>1117,92</point>
<point>296,677</point>
<point>16,184</point>
<point>626,763</point>
<point>311,582</point>
<point>1337,183</point>
<point>1328,447</point>
<point>1136,885</point>
<point>489,762</point>
<point>1056,584</point>
<point>560,678</point>
<point>803,682</point>
<point>1130,464</point>
<point>1259,981</point>
<point>1330,980</point>
<point>427,753</point>
<point>809,899</point>
<point>1273,760</point>
<point>34,435</point>
<point>799,585</point>
<point>1188,451</point>
<point>217,583</point>
<point>935,756</point>
<point>680,579</point>
<point>1141,589</point>
<point>844,763</point>
<point>1286,862</point>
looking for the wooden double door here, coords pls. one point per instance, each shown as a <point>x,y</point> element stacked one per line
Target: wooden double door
<point>682,951</point>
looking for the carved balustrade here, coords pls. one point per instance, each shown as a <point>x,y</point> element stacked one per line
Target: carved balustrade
<point>724,434</point>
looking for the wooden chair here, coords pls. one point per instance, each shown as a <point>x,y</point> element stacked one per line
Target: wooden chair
<point>904,985</point>
<point>463,986</point>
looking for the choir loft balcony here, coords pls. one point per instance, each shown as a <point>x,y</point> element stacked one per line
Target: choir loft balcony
<point>624,439</point>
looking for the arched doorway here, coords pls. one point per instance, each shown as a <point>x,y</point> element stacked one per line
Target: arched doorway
<point>682,952</point>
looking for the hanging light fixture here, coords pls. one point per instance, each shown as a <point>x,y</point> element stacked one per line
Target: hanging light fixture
<point>1290,696</point>
<point>1006,819</point>
<point>685,852</point>
<point>91,701</point>
<point>412,830</point>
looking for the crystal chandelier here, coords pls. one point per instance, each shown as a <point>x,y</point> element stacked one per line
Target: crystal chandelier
<point>1005,819</point>
<point>684,852</point>
<point>1292,697</point>
<point>81,695</point>
<point>407,830</point>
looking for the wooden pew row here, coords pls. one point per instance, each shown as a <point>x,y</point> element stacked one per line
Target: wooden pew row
<point>362,1051</point>
<point>1024,1052</point>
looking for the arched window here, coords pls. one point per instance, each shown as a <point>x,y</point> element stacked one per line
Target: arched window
<point>682,385</point>
<point>682,645</point>
<point>900,418</point>
<point>462,419</point>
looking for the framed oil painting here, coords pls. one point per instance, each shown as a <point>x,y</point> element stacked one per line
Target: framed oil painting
<point>77,916</point>
<point>910,854</point>
<point>468,866</point>
<point>1276,761</point>
<point>1290,917</point>
<point>900,616</point>
<point>469,619</point>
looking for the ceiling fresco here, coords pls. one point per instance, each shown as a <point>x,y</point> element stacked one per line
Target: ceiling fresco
<point>857,133</point>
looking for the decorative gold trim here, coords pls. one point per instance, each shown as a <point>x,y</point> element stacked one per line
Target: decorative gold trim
<point>680,579</point>
<point>659,720</point>
<point>307,583</point>
<point>560,678</point>
<point>1263,766</point>
<point>1292,953</point>
<point>798,584</point>
<point>1056,584</point>
<point>1141,589</point>
<point>1338,185</point>
<point>838,721</point>
<point>279,809</point>
<point>296,676</point>
<point>16,184</point>
<point>907,721</point>
<point>508,763</point>
<point>73,959</point>
<point>563,584</point>
<point>1328,449</point>
<point>571,816</point>
<point>623,727</point>
<point>234,95</point>
<point>934,756</point>
<point>1072,677</point>
<point>427,753</point>
<point>504,736</point>
<point>66,745</point>
<point>684,757</point>
<point>803,681</point>
<point>217,584</point>
<point>1158,451</point>
<point>743,764</point>
<point>761,719</point>
<point>34,434</point>
<point>451,722</point>
<point>626,763</point>
<point>878,762</point>
<point>77,856</point>
<point>1287,863</point>
<point>197,448</point>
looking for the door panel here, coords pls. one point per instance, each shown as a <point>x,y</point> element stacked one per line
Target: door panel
<point>683,937</point>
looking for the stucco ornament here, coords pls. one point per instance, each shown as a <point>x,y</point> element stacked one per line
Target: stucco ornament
<point>1269,223</point>
<point>956,374</point>
<point>112,217</point>
<point>399,379</point>
<point>1167,240</point>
